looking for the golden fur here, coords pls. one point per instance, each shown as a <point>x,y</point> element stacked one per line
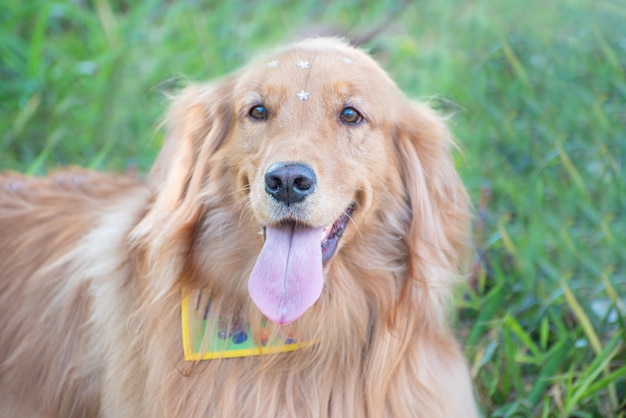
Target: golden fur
<point>92,265</point>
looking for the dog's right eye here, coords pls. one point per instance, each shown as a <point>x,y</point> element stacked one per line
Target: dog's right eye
<point>258,112</point>
<point>350,116</point>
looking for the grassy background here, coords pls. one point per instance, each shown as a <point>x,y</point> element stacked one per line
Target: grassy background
<point>539,93</point>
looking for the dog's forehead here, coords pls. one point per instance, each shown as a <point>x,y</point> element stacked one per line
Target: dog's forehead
<point>312,69</point>
<point>321,63</point>
<point>317,79</point>
<point>303,60</point>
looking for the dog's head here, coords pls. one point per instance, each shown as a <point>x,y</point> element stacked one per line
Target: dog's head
<point>315,143</point>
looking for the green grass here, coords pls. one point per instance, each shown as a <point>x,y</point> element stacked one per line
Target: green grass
<point>539,95</point>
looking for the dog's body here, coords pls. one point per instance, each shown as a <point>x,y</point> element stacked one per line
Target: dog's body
<point>315,142</point>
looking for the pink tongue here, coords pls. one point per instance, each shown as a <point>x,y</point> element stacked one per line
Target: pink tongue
<point>287,277</point>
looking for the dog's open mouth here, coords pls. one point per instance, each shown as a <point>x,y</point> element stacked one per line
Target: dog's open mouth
<point>332,234</point>
<point>288,275</point>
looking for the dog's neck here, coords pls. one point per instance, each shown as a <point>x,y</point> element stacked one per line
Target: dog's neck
<point>208,334</point>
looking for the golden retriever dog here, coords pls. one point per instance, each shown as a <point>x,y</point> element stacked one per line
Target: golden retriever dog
<point>302,208</point>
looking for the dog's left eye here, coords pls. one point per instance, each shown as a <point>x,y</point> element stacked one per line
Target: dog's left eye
<point>258,112</point>
<point>350,116</point>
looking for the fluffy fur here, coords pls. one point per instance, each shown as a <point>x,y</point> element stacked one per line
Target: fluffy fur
<point>92,265</point>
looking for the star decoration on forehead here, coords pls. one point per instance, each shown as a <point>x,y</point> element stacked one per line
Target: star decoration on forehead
<point>303,64</point>
<point>347,60</point>
<point>303,95</point>
<point>272,64</point>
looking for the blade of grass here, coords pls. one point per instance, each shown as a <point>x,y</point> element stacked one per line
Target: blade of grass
<point>515,63</point>
<point>553,361</point>
<point>571,168</point>
<point>39,162</point>
<point>580,314</point>
<point>506,238</point>
<point>492,303</point>
<point>512,324</point>
<point>26,114</point>
<point>608,52</point>
<point>589,331</point>
<point>617,375</point>
<point>600,363</point>
<point>36,42</point>
<point>108,22</point>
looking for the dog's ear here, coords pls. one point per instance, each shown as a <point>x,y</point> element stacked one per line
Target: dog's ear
<point>196,124</point>
<point>437,231</point>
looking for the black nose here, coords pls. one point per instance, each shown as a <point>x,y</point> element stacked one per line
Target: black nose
<point>289,182</point>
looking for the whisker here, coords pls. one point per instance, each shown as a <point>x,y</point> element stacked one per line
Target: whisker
<point>356,226</point>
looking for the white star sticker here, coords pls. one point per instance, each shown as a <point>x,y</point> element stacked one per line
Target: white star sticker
<point>303,64</point>
<point>272,64</point>
<point>303,95</point>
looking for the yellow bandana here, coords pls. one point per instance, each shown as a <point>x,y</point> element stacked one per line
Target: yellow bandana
<point>203,340</point>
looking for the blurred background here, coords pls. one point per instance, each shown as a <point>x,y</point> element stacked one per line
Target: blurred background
<point>537,90</point>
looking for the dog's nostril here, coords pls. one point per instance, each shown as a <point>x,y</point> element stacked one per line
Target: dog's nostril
<point>273,182</point>
<point>303,183</point>
<point>290,182</point>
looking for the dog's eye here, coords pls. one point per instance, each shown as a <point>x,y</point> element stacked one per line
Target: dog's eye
<point>350,116</point>
<point>258,112</point>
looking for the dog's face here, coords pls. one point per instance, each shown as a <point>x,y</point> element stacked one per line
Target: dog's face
<point>310,136</point>
<point>309,131</point>
<point>314,144</point>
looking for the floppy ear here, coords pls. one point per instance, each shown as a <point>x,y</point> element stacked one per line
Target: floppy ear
<point>196,124</point>
<point>437,233</point>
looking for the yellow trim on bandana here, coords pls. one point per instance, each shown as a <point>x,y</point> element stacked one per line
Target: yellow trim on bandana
<point>224,344</point>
